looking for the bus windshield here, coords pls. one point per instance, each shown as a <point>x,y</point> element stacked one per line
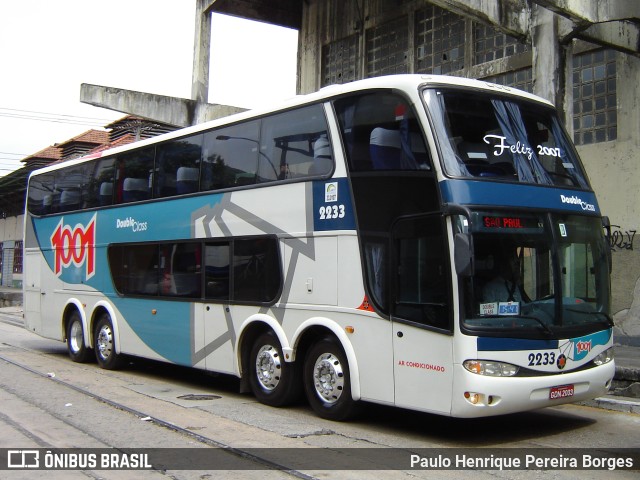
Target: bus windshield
<point>508,139</point>
<point>545,273</point>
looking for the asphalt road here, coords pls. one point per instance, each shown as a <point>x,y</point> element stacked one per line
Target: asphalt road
<point>49,402</point>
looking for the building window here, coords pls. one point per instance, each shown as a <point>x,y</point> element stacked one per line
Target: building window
<point>522,79</point>
<point>387,48</point>
<point>339,60</point>
<point>594,97</point>
<point>489,44</point>
<point>17,257</point>
<point>440,41</point>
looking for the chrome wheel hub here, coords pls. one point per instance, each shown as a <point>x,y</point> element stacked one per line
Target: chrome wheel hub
<point>105,342</point>
<point>268,367</point>
<point>76,340</point>
<point>328,378</point>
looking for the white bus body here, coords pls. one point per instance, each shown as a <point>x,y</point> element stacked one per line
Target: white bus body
<point>339,245</point>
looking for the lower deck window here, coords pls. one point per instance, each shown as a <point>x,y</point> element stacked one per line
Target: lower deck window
<point>236,270</point>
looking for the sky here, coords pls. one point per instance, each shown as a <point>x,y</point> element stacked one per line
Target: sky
<point>48,48</point>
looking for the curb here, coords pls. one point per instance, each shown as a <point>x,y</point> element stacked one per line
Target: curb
<point>629,374</point>
<point>622,404</point>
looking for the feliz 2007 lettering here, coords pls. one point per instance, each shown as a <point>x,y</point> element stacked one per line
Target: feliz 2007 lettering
<point>501,145</point>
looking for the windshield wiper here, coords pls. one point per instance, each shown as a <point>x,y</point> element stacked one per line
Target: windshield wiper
<point>546,328</point>
<point>608,321</point>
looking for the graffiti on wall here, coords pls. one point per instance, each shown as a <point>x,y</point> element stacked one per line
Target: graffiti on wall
<point>620,239</point>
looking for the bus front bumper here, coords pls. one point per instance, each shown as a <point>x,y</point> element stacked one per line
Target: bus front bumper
<point>480,396</point>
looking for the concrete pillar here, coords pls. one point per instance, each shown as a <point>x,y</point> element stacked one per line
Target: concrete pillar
<point>548,57</point>
<point>201,51</point>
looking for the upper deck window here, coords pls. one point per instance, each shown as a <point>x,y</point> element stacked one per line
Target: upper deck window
<point>381,132</point>
<point>500,138</point>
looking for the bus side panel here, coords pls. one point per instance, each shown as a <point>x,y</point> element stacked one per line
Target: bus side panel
<point>215,337</point>
<point>32,290</point>
<point>325,284</point>
<point>246,212</point>
<point>52,303</point>
<point>156,329</point>
<point>311,266</point>
<point>32,284</point>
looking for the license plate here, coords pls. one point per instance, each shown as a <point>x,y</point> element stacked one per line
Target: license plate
<point>562,391</point>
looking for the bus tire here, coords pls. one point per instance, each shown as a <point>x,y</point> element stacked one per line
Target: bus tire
<point>273,381</point>
<point>327,381</point>
<point>78,351</point>
<point>105,344</point>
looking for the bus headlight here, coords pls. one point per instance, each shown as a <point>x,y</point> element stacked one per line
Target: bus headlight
<point>490,369</point>
<point>604,357</point>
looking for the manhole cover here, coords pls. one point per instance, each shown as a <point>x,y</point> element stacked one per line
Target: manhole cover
<point>197,396</point>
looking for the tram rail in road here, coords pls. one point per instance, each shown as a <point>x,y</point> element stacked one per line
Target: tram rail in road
<point>163,406</point>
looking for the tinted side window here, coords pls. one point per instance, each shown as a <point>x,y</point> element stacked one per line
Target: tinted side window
<point>381,132</point>
<point>178,166</point>
<point>41,193</point>
<point>230,156</point>
<point>217,270</point>
<point>242,270</point>
<point>134,175</point>
<point>169,269</point>
<point>421,282</point>
<point>100,190</point>
<point>180,268</point>
<point>71,188</point>
<point>256,270</point>
<point>294,144</point>
<point>61,191</point>
<point>134,269</point>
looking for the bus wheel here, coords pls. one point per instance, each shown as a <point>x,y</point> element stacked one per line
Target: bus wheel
<point>273,381</point>
<point>78,351</point>
<point>105,344</point>
<point>327,381</point>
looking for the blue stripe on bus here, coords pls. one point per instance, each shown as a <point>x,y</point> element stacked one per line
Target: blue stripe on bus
<point>490,344</point>
<point>477,192</point>
<point>167,331</point>
<point>579,346</point>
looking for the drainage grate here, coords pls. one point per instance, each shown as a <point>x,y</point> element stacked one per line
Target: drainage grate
<point>198,396</point>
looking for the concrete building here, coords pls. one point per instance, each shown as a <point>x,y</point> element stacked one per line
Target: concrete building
<point>583,55</point>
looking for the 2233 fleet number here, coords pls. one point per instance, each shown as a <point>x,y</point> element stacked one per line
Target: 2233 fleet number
<point>331,212</point>
<point>540,359</point>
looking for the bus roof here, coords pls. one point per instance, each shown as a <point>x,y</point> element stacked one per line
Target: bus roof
<point>407,82</point>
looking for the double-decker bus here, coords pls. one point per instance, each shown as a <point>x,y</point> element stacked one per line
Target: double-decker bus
<point>421,241</point>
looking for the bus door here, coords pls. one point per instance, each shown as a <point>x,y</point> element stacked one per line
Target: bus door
<point>421,314</point>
